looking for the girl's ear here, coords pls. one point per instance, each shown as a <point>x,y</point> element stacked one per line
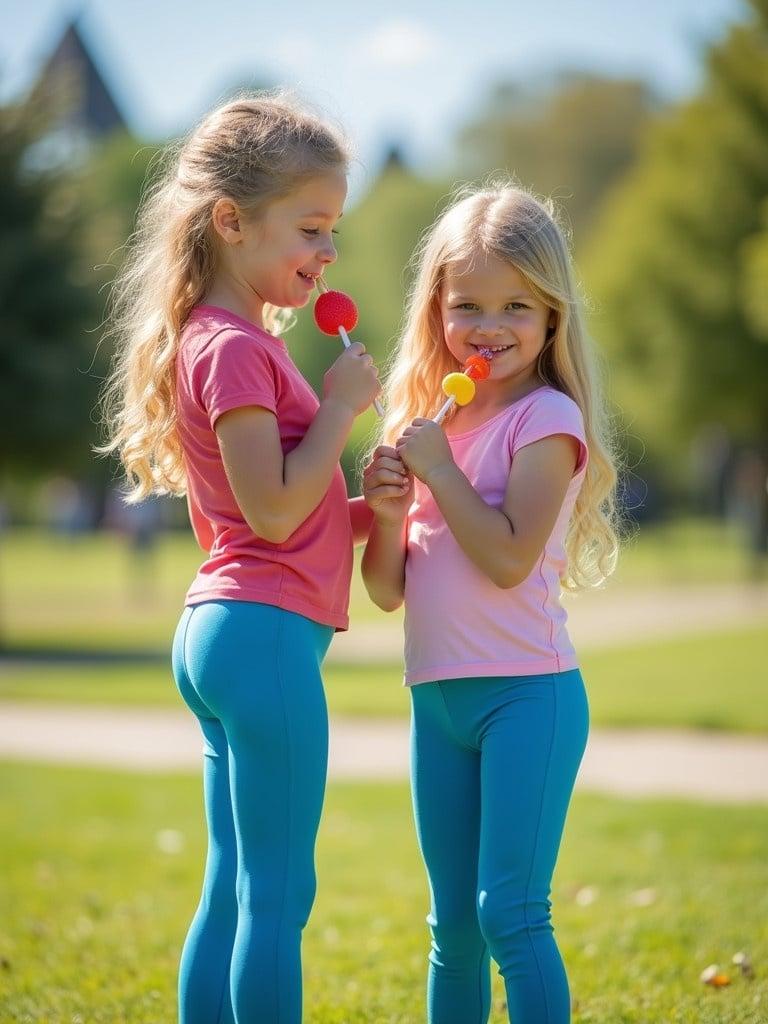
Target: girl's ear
<point>225,218</point>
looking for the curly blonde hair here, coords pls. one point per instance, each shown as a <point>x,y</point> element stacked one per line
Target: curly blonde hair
<point>253,150</point>
<point>507,221</point>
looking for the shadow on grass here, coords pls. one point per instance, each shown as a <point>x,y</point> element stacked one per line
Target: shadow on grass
<point>18,655</point>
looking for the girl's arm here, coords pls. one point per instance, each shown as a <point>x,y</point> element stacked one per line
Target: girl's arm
<point>383,564</point>
<point>505,543</point>
<point>361,518</point>
<point>388,491</point>
<point>276,492</point>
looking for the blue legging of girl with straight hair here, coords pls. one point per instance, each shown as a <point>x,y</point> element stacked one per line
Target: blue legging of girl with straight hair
<point>493,766</point>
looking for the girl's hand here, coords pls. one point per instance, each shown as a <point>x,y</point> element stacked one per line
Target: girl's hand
<point>352,379</point>
<point>424,448</point>
<point>387,486</point>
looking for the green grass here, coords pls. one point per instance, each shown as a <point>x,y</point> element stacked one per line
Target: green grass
<point>374,690</point>
<point>711,681</point>
<point>87,593</point>
<point>683,551</point>
<point>93,911</point>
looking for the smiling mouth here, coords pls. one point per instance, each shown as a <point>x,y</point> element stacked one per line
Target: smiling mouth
<point>312,278</point>
<point>493,349</point>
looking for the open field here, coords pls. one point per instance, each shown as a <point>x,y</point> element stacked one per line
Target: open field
<point>91,592</point>
<point>101,874</point>
<point>708,681</point>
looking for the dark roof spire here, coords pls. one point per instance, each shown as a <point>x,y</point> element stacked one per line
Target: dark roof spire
<point>71,81</point>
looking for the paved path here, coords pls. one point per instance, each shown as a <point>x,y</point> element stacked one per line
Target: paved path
<point>702,766</point>
<point>613,617</point>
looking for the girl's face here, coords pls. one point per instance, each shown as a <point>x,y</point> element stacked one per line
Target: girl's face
<point>486,303</point>
<point>279,255</point>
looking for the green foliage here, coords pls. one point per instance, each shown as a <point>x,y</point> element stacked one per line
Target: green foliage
<point>677,259</point>
<point>109,187</point>
<point>46,385</point>
<point>571,138</point>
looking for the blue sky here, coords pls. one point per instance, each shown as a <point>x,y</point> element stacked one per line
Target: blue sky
<point>405,72</point>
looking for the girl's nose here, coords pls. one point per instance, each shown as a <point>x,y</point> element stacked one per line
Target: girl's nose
<point>328,253</point>
<point>489,327</point>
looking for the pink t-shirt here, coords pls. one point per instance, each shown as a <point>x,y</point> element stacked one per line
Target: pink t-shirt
<point>457,622</point>
<point>226,362</point>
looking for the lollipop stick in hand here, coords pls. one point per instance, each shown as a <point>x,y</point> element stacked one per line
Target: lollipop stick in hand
<point>336,314</point>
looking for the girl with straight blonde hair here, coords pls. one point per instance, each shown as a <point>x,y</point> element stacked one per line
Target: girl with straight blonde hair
<point>477,529</point>
<point>206,401</point>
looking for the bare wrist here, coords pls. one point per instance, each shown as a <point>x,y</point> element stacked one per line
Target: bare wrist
<point>439,473</point>
<point>391,524</point>
<point>339,408</point>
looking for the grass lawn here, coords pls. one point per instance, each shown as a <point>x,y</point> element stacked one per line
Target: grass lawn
<point>90,593</point>
<point>711,681</point>
<point>101,874</point>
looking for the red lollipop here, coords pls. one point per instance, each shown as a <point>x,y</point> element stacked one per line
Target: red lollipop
<point>334,310</point>
<point>477,368</point>
<point>335,314</point>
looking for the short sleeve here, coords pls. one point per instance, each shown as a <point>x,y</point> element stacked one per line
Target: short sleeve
<point>234,370</point>
<point>551,412</point>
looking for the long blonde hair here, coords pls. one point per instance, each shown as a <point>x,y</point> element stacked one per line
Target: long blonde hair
<point>510,223</point>
<point>253,150</point>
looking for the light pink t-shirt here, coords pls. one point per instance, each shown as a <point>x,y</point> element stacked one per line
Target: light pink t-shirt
<point>225,362</point>
<point>457,622</point>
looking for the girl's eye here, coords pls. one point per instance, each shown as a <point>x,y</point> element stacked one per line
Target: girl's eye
<point>312,232</point>
<point>466,305</point>
<point>516,305</point>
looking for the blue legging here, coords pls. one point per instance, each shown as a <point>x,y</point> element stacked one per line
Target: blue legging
<point>251,674</point>
<point>493,765</point>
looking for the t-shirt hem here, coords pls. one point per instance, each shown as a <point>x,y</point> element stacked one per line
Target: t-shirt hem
<point>241,401</point>
<point>544,666</point>
<point>339,621</point>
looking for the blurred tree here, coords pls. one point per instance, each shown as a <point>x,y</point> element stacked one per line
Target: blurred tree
<point>571,137</point>
<point>46,390</point>
<point>756,277</point>
<point>109,188</point>
<point>678,262</point>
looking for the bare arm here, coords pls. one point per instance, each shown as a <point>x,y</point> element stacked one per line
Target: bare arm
<point>361,518</point>
<point>276,493</point>
<point>383,565</point>
<point>503,543</point>
<point>388,490</point>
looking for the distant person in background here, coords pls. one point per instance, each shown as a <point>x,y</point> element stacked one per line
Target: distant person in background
<point>515,498</point>
<point>66,506</point>
<point>210,403</point>
<point>748,508</point>
<point>140,523</point>
<point>711,456</point>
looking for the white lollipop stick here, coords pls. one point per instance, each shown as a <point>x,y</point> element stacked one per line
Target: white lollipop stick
<point>323,287</point>
<point>345,338</point>
<point>443,412</point>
